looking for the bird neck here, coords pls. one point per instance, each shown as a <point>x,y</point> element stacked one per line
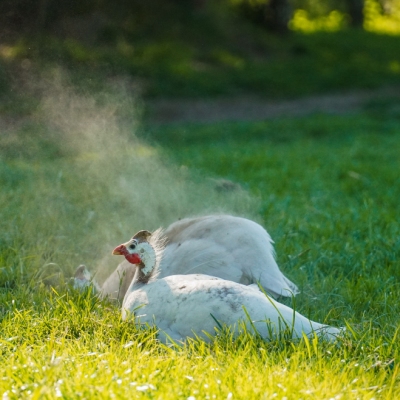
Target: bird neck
<point>148,269</point>
<point>140,278</point>
<point>143,273</point>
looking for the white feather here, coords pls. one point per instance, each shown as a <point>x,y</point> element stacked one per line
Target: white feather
<point>184,306</point>
<point>224,246</point>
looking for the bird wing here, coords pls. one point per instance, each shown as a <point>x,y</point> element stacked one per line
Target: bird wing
<point>229,247</point>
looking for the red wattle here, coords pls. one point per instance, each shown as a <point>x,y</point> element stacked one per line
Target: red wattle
<point>133,258</point>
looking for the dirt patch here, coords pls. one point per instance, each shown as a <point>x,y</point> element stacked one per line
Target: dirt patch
<point>255,109</point>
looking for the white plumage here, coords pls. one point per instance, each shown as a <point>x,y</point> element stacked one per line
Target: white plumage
<point>184,306</point>
<point>224,246</point>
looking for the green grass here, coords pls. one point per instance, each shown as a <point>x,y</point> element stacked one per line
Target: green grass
<point>328,189</point>
<point>75,181</point>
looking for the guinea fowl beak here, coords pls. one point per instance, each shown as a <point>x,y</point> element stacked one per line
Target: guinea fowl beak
<point>119,250</point>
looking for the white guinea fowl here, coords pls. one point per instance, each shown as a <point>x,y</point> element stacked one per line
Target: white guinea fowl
<point>183,306</point>
<point>224,246</point>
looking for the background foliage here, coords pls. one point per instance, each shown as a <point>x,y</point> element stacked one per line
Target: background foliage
<point>204,48</point>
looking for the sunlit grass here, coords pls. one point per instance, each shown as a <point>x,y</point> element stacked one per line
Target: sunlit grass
<point>303,22</point>
<point>375,19</point>
<point>71,345</point>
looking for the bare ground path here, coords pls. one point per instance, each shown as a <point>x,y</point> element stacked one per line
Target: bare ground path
<point>255,109</point>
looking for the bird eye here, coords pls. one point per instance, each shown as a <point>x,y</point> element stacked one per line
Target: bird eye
<point>132,246</point>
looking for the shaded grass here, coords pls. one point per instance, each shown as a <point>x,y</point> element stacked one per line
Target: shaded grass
<point>328,187</point>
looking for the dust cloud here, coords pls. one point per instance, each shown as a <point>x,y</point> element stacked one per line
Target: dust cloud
<point>94,181</point>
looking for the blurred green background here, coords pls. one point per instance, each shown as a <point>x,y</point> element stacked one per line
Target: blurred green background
<point>203,48</point>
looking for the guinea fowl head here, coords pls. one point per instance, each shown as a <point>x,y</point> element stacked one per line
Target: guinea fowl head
<point>144,249</point>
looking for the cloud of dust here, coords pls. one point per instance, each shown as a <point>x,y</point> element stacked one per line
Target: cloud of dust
<point>106,182</point>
